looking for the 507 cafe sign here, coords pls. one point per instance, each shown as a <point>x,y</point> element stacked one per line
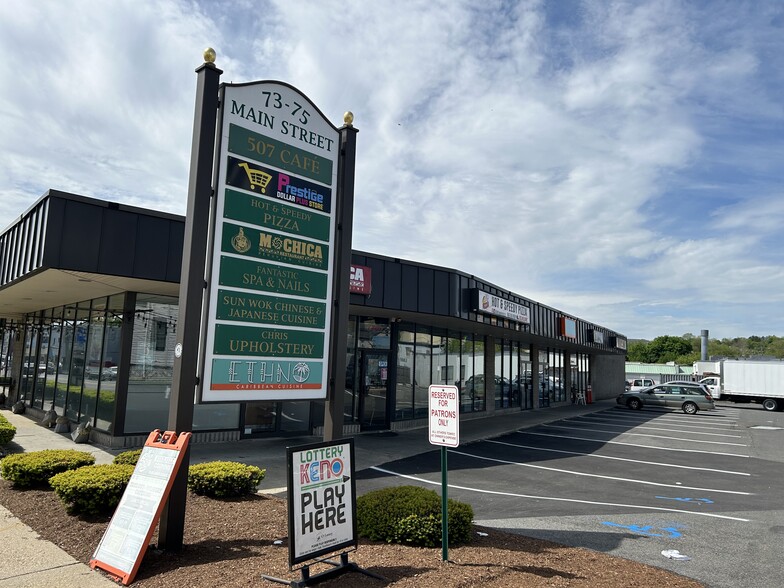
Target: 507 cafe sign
<point>270,289</point>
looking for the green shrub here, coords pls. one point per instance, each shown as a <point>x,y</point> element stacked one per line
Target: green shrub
<point>221,479</point>
<point>35,468</point>
<point>7,431</point>
<point>411,515</point>
<point>128,457</point>
<point>94,489</point>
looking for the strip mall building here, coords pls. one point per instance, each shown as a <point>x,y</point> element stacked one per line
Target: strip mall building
<point>88,316</point>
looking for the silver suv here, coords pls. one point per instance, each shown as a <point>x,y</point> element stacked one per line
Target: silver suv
<point>686,396</point>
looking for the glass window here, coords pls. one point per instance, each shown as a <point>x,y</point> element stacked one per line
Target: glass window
<point>53,357</point>
<point>423,370</point>
<point>94,371</point>
<point>404,393</point>
<point>474,394</point>
<point>107,386</point>
<point>150,372</point>
<point>453,349</point>
<point>374,333</point>
<point>28,363</point>
<point>78,366</point>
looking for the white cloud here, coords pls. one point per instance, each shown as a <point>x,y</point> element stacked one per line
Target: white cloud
<point>556,149</point>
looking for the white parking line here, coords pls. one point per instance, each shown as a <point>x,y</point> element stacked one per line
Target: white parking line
<point>554,499</point>
<point>526,432</point>
<point>665,418</point>
<point>646,435</point>
<point>579,420</point>
<point>655,463</point>
<point>615,478</point>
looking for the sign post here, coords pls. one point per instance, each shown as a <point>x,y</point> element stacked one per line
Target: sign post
<point>444,431</point>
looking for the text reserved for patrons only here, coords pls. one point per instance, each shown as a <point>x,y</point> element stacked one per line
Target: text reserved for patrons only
<point>322,499</point>
<point>444,415</point>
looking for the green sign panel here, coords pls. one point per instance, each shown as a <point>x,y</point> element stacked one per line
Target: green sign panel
<point>273,247</point>
<point>258,308</point>
<point>267,150</point>
<point>267,277</point>
<point>274,215</point>
<point>265,374</point>
<point>262,342</point>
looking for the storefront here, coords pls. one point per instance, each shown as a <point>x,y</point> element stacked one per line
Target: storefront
<point>88,316</point>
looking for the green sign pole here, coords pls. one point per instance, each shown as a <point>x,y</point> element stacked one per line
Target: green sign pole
<point>444,511</point>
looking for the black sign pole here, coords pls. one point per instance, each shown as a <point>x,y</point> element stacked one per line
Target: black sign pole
<point>194,255</point>
<point>334,406</point>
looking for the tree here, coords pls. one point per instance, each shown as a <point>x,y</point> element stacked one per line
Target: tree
<point>668,348</point>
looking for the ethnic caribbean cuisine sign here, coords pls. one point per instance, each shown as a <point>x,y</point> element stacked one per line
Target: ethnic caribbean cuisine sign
<point>322,499</point>
<point>268,317</point>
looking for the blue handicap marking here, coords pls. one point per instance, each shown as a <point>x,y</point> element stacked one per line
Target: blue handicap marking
<point>647,530</point>
<point>692,500</point>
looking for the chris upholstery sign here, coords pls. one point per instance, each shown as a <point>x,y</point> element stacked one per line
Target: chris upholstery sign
<point>322,499</point>
<point>271,273</point>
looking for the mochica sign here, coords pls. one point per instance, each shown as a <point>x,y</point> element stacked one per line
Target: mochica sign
<point>268,318</point>
<point>322,499</point>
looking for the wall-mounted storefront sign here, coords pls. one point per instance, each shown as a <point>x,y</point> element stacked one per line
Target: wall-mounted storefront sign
<point>618,342</point>
<point>361,281</point>
<point>595,336</point>
<point>497,306</point>
<point>568,327</point>
<point>269,304</point>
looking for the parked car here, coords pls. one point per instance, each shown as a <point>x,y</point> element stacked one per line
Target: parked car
<point>690,397</point>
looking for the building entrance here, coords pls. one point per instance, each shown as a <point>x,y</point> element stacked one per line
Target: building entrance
<point>374,390</point>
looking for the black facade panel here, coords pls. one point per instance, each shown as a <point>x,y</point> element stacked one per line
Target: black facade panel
<point>81,237</point>
<point>426,290</point>
<point>441,293</point>
<point>152,241</point>
<point>463,286</point>
<point>392,274</point>
<point>118,238</point>
<point>376,296</point>
<point>176,242</point>
<point>408,284</point>
<point>54,232</point>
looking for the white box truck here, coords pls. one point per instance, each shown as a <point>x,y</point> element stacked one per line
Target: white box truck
<point>745,381</point>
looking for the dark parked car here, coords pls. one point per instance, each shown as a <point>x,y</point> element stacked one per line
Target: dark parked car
<point>687,396</point>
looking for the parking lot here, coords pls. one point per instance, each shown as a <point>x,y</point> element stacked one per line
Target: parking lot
<point>633,484</point>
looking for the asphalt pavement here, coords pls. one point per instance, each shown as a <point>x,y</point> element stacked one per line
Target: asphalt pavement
<point>30,562</point>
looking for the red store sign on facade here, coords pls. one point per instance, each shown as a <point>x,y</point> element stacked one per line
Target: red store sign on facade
<point>360,281</point>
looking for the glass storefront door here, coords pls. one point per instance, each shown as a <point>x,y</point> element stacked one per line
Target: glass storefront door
<point>375,390</point>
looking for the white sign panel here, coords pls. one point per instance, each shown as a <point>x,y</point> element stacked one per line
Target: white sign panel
<point>502,307</point>
<point>272,261</point>
<point>444,415</point>
<point>322,503</point>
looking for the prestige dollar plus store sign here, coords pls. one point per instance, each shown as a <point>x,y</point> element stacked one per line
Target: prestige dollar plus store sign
<point>269,307</point>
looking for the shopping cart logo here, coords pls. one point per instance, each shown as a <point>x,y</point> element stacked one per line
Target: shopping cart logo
<point>256,177</point>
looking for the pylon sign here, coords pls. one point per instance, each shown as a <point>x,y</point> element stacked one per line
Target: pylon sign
<point>268,311</point>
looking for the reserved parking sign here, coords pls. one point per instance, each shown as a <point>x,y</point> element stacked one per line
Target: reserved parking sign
<point>444,415</point>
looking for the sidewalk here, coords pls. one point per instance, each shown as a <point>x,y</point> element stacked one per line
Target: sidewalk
<point>30,562</point>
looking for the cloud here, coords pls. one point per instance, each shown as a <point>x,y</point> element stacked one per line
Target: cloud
<point>590,154</point>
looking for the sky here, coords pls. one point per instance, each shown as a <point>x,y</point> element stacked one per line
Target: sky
<point>622,162</point>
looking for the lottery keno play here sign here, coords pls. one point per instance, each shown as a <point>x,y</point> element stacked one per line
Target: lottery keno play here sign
<point>269,301</point>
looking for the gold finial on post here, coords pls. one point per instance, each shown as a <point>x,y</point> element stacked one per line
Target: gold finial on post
<point>348,118</point>
<point>209,55</point>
